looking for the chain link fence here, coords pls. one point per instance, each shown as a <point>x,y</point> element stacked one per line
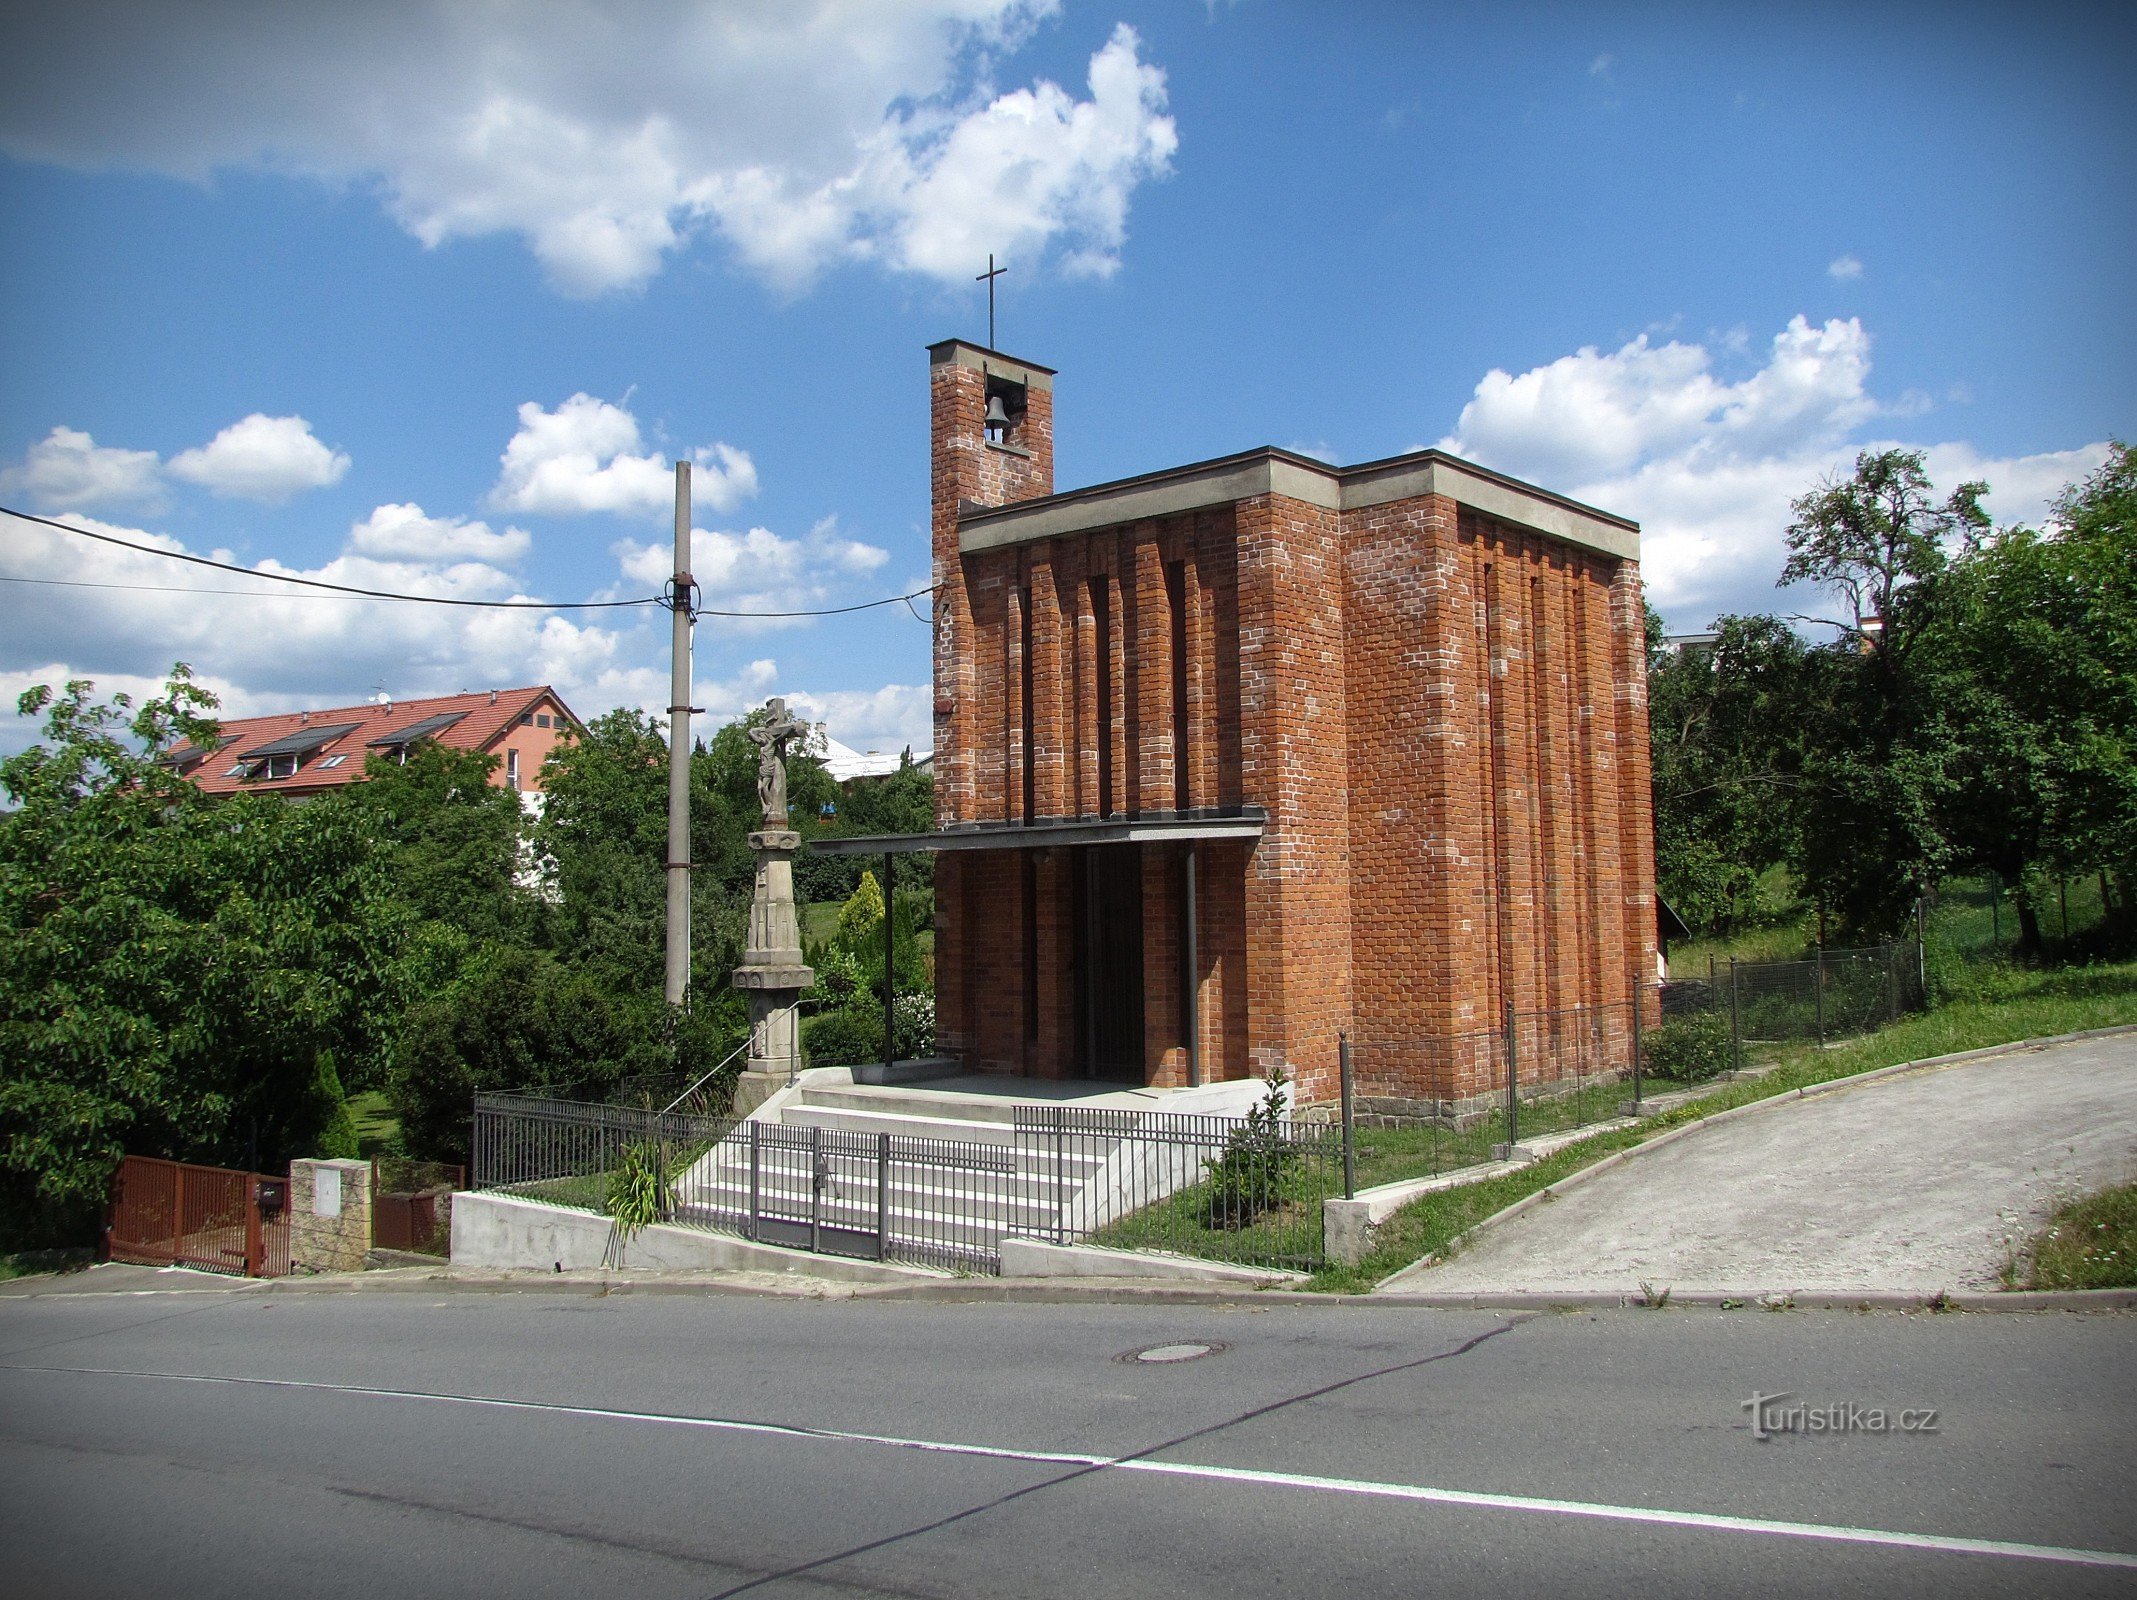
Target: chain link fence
<point>1707,1024</point>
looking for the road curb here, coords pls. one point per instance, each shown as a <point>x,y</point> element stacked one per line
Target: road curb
<point>1767,1103</point>
<point>2031,1300</point>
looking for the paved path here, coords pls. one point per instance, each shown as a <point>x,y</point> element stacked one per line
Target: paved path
<point>1919,1181</point>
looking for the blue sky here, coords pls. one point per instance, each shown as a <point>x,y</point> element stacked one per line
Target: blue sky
<point>424,296</point>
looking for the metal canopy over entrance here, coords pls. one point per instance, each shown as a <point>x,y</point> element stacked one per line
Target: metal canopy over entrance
<point>1244,822</point>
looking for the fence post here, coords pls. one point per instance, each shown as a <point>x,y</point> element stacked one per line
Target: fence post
<point>1513,1085</point>
<point>253,1262</point>
<point>756,1178</point>
<point>1060,1221</point>
<point>1639,1037</point>
<point>816,1189</point>
<point>1736,1020</point>
<point>1350,1170</point>
<point>1821,996</point>
<point>882,1197</point>
<point>178,1213</point>
<point>1921,950</point>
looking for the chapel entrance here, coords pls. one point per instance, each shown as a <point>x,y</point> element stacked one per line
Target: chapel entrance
<point>1108,882</point>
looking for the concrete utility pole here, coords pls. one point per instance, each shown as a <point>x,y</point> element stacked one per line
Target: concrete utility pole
<point>681,608</point>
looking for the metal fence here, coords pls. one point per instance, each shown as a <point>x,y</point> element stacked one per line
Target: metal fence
<point>171,1213</point>
<point>1244,1190</point>
<point>412,1204</point>
<point>1232,1189</point>
<point>885,1197</point>
<point>1826,995</point>
<point>1423,1106</point>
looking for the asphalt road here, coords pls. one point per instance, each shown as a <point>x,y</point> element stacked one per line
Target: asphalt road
<point>322,1444</point>
<point>1922,1180</point>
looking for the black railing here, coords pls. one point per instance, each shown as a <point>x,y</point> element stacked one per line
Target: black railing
<point>1233,1189</point>
<point>1217,1187</point>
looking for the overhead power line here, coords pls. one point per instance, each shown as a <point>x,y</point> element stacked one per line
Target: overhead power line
<point>334,588</point>
<point>352,592</point>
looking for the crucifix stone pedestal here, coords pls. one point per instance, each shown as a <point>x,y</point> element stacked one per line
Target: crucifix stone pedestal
<point>772,973</point>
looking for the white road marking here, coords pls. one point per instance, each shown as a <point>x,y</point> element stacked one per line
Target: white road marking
<point>1837,1533</point>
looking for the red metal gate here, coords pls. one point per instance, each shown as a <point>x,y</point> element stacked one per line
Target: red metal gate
<point>170,1214</point>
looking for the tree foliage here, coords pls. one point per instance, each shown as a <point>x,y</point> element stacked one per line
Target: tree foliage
<point>1977,709</point>
<point>178,977</point>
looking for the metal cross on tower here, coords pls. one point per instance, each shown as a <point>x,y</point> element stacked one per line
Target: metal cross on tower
<point>988,278</point>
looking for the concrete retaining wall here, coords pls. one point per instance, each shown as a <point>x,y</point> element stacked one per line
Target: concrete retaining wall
<point>504,1232</point>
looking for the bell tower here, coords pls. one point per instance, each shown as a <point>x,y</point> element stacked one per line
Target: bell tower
<point>991,421</point>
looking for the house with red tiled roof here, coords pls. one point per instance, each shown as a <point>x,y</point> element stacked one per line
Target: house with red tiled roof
<point>308,752</point>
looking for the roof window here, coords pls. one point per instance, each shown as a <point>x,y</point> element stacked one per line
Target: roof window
<point>428,728</point>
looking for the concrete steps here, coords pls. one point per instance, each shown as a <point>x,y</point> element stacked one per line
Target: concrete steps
<point>980,1186</point>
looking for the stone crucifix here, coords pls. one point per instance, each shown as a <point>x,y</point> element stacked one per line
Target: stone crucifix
<point>772,736</point>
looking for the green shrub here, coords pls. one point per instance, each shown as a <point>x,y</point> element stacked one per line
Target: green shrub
<point>638,1188</point>
<point>913,1026</point>
<point>1259,1168</point>
<point>843,1038</point>
<point>1690,1049</point>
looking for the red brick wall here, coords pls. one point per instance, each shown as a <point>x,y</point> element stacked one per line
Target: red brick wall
<point>1295,735</point>
<point>1444,716</point>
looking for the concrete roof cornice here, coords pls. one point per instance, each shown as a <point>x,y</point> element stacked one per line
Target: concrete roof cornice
<point>1000,364</point>
<point>1270,470</point>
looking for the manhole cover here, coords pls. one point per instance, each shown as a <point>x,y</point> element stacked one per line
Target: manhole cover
<point>1184,1351</point>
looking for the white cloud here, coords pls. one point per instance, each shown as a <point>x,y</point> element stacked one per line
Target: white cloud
<point>1601,65</point>
<point>588,455</point>
<point>607,137</point>
<point>404,532</point>
<point>1591,413</point>
<point>1709,467</point>
<point>67,470</point>
<point>270,459</point>
<point>1844,268</point>
<point>757,570</point>
<point>887,719</point>
<point>279,647</point>
<point>1034,162</point>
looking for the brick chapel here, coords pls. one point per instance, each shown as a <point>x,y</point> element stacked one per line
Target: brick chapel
<point>1234,756</point>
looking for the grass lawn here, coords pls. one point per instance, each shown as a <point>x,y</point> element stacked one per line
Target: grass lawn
<point>30,1263</point>
<point>1968,923</point>
<point>587,1191</point>
<point>2088,1244</point>
<point>378,1131</point>
<point>1993,1005</point>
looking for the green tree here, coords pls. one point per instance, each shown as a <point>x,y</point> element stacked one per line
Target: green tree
<point>451,838</point>
<point>178,976</point>
<point>1726,731</point>
<point>1880,537</point>
<point>2034,638</point>
<point>1878,737</point>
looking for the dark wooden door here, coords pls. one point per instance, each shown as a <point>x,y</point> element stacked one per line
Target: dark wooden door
<point>1109,966</point>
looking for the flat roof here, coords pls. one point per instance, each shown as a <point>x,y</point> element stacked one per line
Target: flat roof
<point>1246,822</point>
<point>1270,470</point>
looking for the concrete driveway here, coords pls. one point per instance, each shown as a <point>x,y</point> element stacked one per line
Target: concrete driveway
<point>1919,1181</point>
